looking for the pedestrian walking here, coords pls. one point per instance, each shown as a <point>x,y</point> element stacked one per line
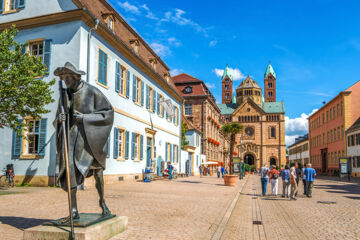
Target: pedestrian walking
<point>310,174</point>
<point>218,169</point>
<point>264,172</point>
<point>293,182</point>
<point>208,171</point>
<point>170,169</point>
<point>285,176</point>
<point>222,172</point>
<point>273,176</point>
<point>200,170</point>
<point>304,179</point>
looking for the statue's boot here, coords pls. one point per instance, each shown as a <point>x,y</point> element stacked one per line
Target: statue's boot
<point>75,212</point>
<point>105,209</point>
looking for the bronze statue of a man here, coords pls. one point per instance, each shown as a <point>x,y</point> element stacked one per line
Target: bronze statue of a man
<point>89,118</point>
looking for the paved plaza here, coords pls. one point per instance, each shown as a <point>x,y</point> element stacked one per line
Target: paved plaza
<point>198,208</point>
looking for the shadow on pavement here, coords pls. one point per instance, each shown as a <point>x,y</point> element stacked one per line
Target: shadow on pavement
<point>351,197</point>
<point>21,222</point>
<point>340,189</point>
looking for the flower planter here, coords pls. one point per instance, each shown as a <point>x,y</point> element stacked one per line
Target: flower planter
<point>230,180</point>
<point>252,173</point>
<point>246,173</point>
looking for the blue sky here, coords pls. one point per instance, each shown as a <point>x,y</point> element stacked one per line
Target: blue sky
<point>314,46</point>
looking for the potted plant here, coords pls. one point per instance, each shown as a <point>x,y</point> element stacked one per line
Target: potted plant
<point>247,169</point>
<point>231,130</point>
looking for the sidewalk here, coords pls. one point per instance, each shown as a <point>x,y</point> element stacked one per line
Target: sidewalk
<point>186,208</point>
<point>270,217</point>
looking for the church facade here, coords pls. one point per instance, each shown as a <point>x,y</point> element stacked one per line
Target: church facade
<point>262,140</point>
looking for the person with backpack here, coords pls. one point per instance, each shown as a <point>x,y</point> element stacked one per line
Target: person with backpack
<point>285,175</point>
<point>293,182</point>
<point>264,172</point>
<point>273,178</point>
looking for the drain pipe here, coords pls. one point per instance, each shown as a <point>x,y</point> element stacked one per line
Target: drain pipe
<point>88,49</point>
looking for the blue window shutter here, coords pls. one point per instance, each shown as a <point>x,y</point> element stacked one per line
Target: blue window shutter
<point>133,136</point>
<point>142,93</point>
<point>105,69</point>
<point>127,142</point>
<point>154,101</point>
<point>178,116</point>
<point>1,5</point>
<point>108,148</point>
<point>100,68</point>
<point>47,55</point>
<point>134,88</point>
<point>171,153</point>
<point>158,103</point>
<point>141,147</point>
<point>128,84</point>
<point>20,3</point>
<point>147,97</point>
<point>166,152</point>
<point>173,118</point>
<point>42,136</point>
<point>117,77</point>
<point>166,115</point>
<point>17,142</point>
<point>116,143</point>
<point>162,111</point>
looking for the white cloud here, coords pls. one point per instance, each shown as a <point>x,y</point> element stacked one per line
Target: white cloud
<point>149,14</point>
<point>173,41</point>
<point>210,85</point>
<point>176,71</point>
<point>160,49</point>
<point>295,127</point>
<point>235,72</point>
<point>177,16</point>
<point>290,139</point>
<point>129,8</point>
<point>212,43</point>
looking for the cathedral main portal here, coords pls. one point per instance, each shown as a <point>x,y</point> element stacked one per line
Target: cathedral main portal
<point>249,159</point>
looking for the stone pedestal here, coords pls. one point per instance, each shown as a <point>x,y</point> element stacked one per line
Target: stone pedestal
<point>100,231</point>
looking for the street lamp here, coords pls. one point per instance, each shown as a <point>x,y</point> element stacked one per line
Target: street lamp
<point>241,168</point>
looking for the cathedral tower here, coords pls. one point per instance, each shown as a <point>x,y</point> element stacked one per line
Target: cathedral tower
<point>270,84</point>
<point>227,86</point>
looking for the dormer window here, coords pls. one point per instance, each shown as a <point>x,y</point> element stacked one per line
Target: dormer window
<point>167,77</point>
<point>188,89</point>
<point>109,20</point>
<point>134,43</point>
<point>153,63</point>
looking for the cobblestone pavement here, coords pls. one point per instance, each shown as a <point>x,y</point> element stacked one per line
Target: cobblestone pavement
<point>187,208</point>
<point>256,217</point>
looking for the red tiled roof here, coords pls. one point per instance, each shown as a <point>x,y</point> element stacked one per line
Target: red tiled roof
<point>183,78</point>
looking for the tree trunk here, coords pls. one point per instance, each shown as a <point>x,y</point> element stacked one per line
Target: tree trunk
<point>232,141</point>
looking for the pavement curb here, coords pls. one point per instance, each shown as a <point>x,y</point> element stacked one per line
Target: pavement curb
<point>220,229</point>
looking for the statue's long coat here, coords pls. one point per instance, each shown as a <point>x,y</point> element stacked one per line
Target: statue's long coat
<point>87,140</point>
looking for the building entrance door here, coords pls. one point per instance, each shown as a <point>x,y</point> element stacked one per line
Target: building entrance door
<point>249,159</point>
<point>159,166</point>
<point>148,151</point>
<point>324,160</point>
<point>272,161</point>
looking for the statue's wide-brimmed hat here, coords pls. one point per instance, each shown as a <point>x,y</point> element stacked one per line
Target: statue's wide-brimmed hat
<point>68,68</point>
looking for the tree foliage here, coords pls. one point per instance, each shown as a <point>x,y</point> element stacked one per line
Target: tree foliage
<point>184,129</point>
<point>231,129</point>
<point>22,89</point>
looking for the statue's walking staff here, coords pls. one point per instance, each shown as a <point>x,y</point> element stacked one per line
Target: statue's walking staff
<point>66,157</point>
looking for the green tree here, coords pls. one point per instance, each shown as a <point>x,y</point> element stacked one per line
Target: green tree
<point>231,129</point>
<point>22,89</point>
<point>184,129</point>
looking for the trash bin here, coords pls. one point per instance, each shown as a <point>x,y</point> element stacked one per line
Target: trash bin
<point>148,175</point>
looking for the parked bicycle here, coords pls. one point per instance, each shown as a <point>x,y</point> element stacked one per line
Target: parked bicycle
<point>9,175</point>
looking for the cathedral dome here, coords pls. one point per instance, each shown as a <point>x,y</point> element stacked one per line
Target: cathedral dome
<point>248,83</point>
<point>248,89</point>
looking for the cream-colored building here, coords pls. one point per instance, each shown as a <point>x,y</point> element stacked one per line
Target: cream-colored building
<point>353,147</point>
<point>299,150</point>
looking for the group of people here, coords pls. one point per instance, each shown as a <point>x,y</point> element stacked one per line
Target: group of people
<point>290,178</point>
<point>204,171</point>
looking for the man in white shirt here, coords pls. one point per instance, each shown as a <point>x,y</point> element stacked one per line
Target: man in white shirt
<point>293,182</point>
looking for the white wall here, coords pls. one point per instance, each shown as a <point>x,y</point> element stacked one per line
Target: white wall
<point>353,151</point>
<point>34,8</point>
